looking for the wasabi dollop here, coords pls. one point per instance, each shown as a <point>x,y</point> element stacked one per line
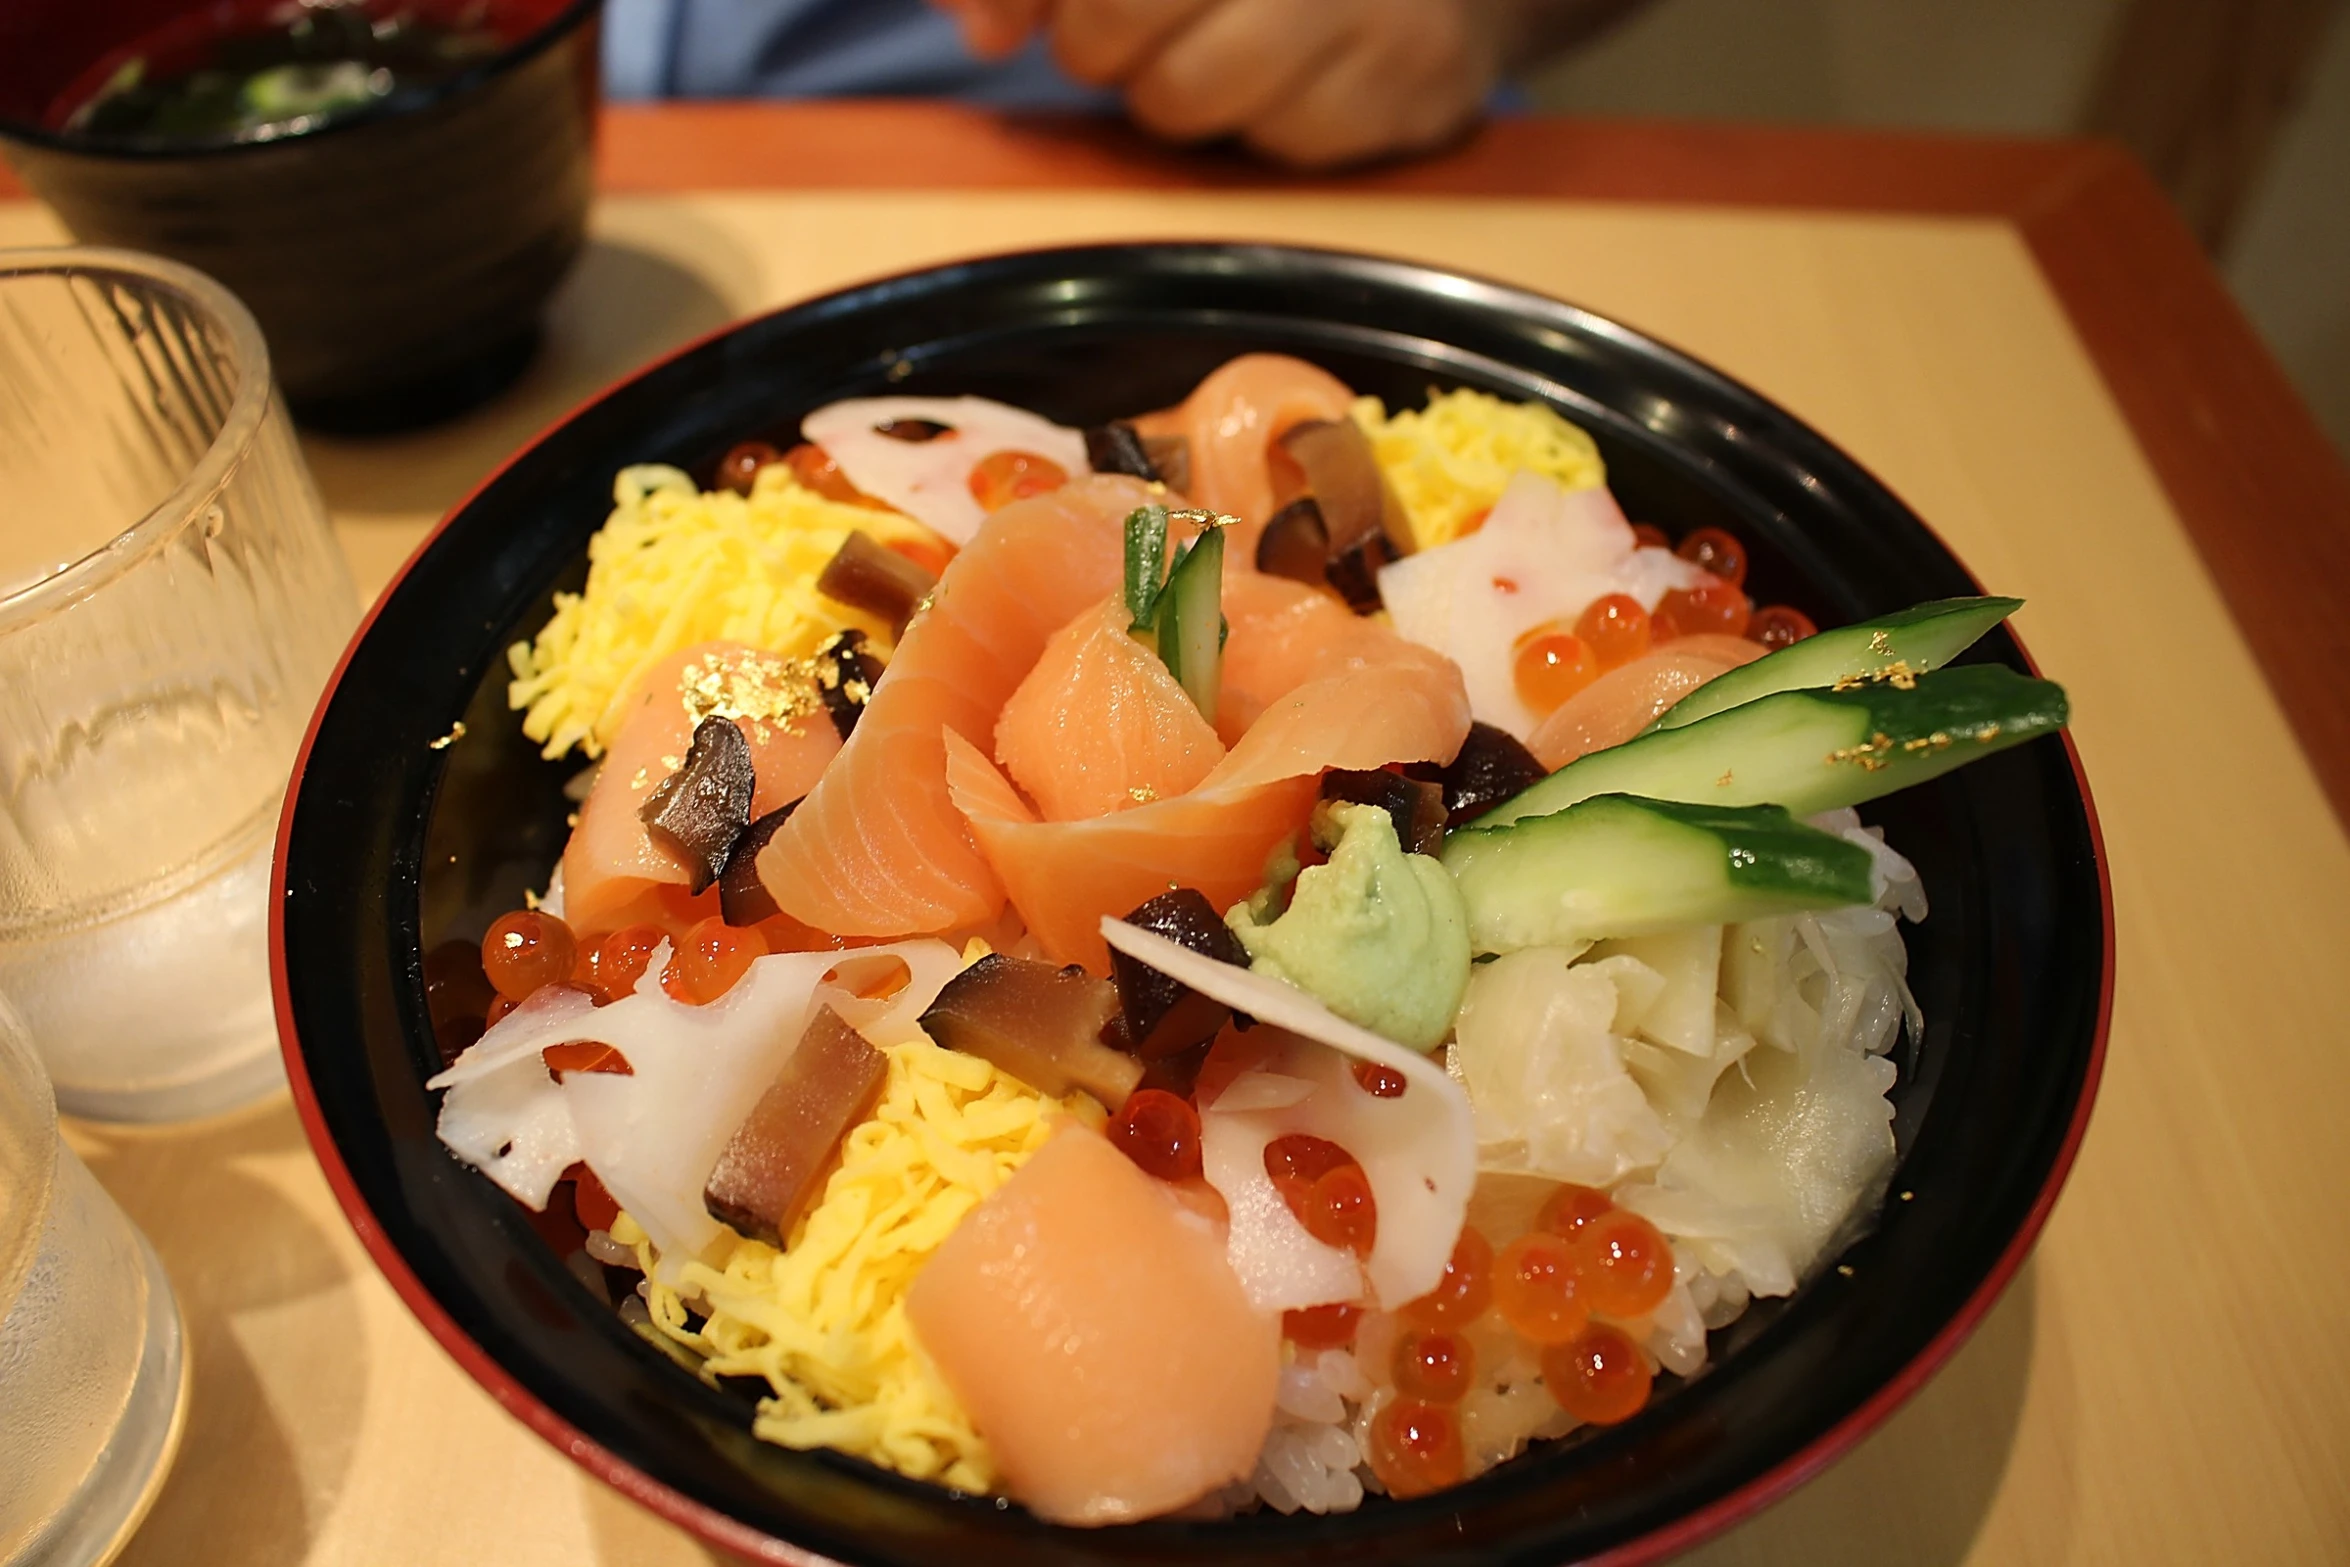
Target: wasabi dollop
<point>1377,935</point>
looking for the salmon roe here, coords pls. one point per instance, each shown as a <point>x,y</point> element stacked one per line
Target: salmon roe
<point>1000,478</point>
<point>739,468</point>
<point>1380,1082</point>
<point>709,960</point>
<point>1159,1131</point>
<point>1326,1189</point>
<point>526,949</point>
<point>931,553</point>
<point>612,967</point>
<point>1615,627</point>
<point>1570,1208</point>
<point>1776,626</point>
<point>1648,536</point>
<point>1711,549</point>
<point>1463,1292</point>
<point>594,1205</point>
<point>1538,1289</point>
<point>1415,1448</point>
<point>1552,665</point>
<point>1715,608</point>
<point>1598,1376</point>
<point>1434,1366</point>
<point>1322,1327</point>
<point>1625,1263</point>
<point>815,470</point>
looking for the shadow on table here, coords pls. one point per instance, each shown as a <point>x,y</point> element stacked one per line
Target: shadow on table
<point>1918,1490</point>
<point>252,1471</point>
<point>623,306</point>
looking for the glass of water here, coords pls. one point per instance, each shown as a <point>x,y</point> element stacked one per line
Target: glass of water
<point>93,1375</point>
<point>171,602</point>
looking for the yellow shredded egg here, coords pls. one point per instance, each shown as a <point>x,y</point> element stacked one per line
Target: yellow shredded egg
<point>673,566</point>
<point>824,1321</point>
<point>1450,461</point>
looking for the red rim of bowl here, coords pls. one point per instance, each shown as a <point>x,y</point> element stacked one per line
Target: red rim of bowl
<point>730,1534</point>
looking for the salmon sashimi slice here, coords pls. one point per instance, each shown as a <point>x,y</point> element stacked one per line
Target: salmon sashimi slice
<point>1627,699</point>
<point>1379,699</point>
<point>1280,630</point>
<point>1063,877</point>
<point>1100,726</point>
<point>611,863</point>
<point>1230,421</point>
<point>1091,1326</point>
<point>878,848</point>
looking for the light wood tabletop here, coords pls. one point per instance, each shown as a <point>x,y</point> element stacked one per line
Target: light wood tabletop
<point>2019,341</point>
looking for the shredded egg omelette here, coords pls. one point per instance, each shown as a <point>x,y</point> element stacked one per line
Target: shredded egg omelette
<point>824,1320</point>
<point>1450,461</point>
<point>673,566</point>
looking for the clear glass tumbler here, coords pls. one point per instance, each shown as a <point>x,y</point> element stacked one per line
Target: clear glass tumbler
<point>93,1374</point>
<point>171,602</point>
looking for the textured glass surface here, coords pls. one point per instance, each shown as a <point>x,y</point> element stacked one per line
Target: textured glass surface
<point>173,603</point>
<point>91,1365</point>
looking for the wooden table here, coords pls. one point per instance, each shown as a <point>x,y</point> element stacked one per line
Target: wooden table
<point>2023,342</point>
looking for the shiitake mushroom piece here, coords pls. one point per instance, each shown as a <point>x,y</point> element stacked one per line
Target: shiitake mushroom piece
<point>743,899</point>
<point>1490,767</point>
<point>1041,1024</point>
<point>1171,456</point>
<point>779,1158</point>
<point>1296,543</point>
<point>1117,447</point>
<point>846,671</point>
<point>1163,1017</point>
<point>698,811</point>
<point>1416,806</point>
<point>1343,477</point>
<point>876,579</point>
<point>1354,572</point>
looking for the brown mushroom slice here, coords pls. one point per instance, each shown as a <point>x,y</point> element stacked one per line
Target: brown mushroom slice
<point>1041,1024</point>
<point>1415,806</point>
<point>1343,476</point>
<point>1296,543</point>
<point>1117,447</point>
<point>1171,456</point>
<point>874,578</point>
<point>743,899</point>
<point>778,1160</point>
<point>1354,572</point>
<point>1490,767</point>
<point>846,672</point>
<point>1163,1017</point>
<point>699,810</point>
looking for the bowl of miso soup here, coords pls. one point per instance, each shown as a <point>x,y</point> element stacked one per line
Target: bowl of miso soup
<point>394,187</point>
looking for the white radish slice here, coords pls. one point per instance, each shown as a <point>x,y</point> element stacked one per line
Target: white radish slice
<point>653,1134</point>
<point>1544,554</point>
<point>930,481</point>
<point>1419,1149</point>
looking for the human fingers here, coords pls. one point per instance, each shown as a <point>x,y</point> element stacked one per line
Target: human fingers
<point>1235,64</point>
<point>993,29</point>
<point>1409,76</point>
<point>1106,41</point>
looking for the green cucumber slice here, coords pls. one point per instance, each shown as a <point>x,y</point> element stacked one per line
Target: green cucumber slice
<point>1191,621</point>
<point>1813,750</point>
<point>1146,564</point>
<point>1917,639</point>
<point>1618,865</point>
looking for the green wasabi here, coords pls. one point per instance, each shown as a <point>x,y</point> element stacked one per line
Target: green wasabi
<point>1379,936</point>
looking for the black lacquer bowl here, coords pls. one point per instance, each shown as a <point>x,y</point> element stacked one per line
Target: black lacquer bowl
<point>390,848</point>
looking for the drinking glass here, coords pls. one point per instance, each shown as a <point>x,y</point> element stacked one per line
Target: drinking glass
<point>93,1375</point>
<point>171,602</point>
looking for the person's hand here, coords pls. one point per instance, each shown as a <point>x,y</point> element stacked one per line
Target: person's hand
<point>1312,83</point>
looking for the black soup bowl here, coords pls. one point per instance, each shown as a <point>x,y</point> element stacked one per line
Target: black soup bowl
<point>397,252</point>
<point>395,852</point>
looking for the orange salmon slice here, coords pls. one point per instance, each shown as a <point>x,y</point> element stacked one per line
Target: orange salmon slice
<point>611,863</point>
<point>1091,1327</point>
<point>878,848</point>
<point>1100,726</point>
<point>1627,699</point>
